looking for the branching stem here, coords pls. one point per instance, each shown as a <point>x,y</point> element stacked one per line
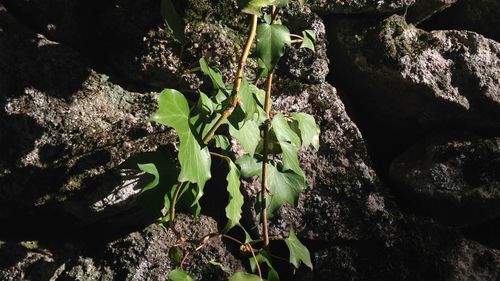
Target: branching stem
<point>237,82</point>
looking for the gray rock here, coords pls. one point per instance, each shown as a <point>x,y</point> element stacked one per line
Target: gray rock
<point>421,10</point>
<point>480,16</point>
<point>144,255</point>
<point>304,65</point>
<point>141,255</point>
<point>418,79</point>
<point>55,129</point>
<point>353,227</point>
<point>359,6</point>
<point>455,180</point>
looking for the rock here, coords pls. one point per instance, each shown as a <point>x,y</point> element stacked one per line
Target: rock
<point>55,131</point>
<point>140,255</point>
<point>144,255</point>
<point>359,6</point>
<point>421,252</point>
<point>455,180</point>
<point>304,65</point>
<point>25,261</point>
<point>352,226</point>
<point>411,78</point>
<point>424,9</point>
<point>480,16</point>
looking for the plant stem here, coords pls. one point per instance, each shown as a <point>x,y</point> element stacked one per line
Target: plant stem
<point>264,186</point>
<point>237,82</point>
<point>180,186</point>
<point>256,263</point>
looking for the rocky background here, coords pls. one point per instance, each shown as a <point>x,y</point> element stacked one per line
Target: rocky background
<point>405,185</point>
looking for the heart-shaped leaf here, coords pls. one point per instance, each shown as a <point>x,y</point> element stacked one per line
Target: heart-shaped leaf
<point>272,40</point>
<point>195,161</point>
<point>298,252</point>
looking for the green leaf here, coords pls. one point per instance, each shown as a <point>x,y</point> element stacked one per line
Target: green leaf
<point>214,75</point>
<point>174,22</point>
<point>220,265</point>
<point>204,116</point>
<point>309,39</point>
<point>243,276</point>
<point>150,169</point>
<point>249,166</point>
<point>175,255</point>
<point>195,161</point>
<point>248,136</point>
<point>233,208</point>
<point>309,130</point>
<point>298,252</point>
<point>272,40</point>
<point>289,142</point>
<point>281,3</point>
<point>179,275</point>
<point>222,142</point>
<point>247,100</point>
<point>253,7</point>
<point>263,257</point>
<point>285,188</point>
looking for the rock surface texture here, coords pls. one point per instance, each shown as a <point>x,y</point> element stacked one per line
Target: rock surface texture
<point>78,80</point>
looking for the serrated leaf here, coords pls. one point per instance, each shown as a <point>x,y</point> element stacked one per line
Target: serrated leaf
<point>150,168</point>
<point>233,208</point>
<point>195,161</point>
<point>248,136</point>
<point>214,74</point>
<point>272,40</point>
<point>285,188</point>
<point>309,130</point>
<point>298,252</point>
<point>309,39</point>
<point>173,21</point>
<point>289,142</point>
<point>253,7</point>
<point>249,166</point>
<point>243,276</point>
<point>179,275</point>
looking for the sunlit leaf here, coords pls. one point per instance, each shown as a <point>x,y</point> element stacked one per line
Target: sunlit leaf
<point>289,142</point>
<point>150,168</point>
<point>285,188</point>
<point>214,74</point>
<point>272,40</point>
<point>247,99</point>
<point>309,130</point>
<point>179,275</point>
<point>249,166</point>
<point>195,161</point>
<point>309,39</point>
<point>222,142</point>
<point>248,136</point>
<point>298,252</point>
<point>174,22</point>
<point>253,6</point>
<point>233,208</point>
<point>243,276</point>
